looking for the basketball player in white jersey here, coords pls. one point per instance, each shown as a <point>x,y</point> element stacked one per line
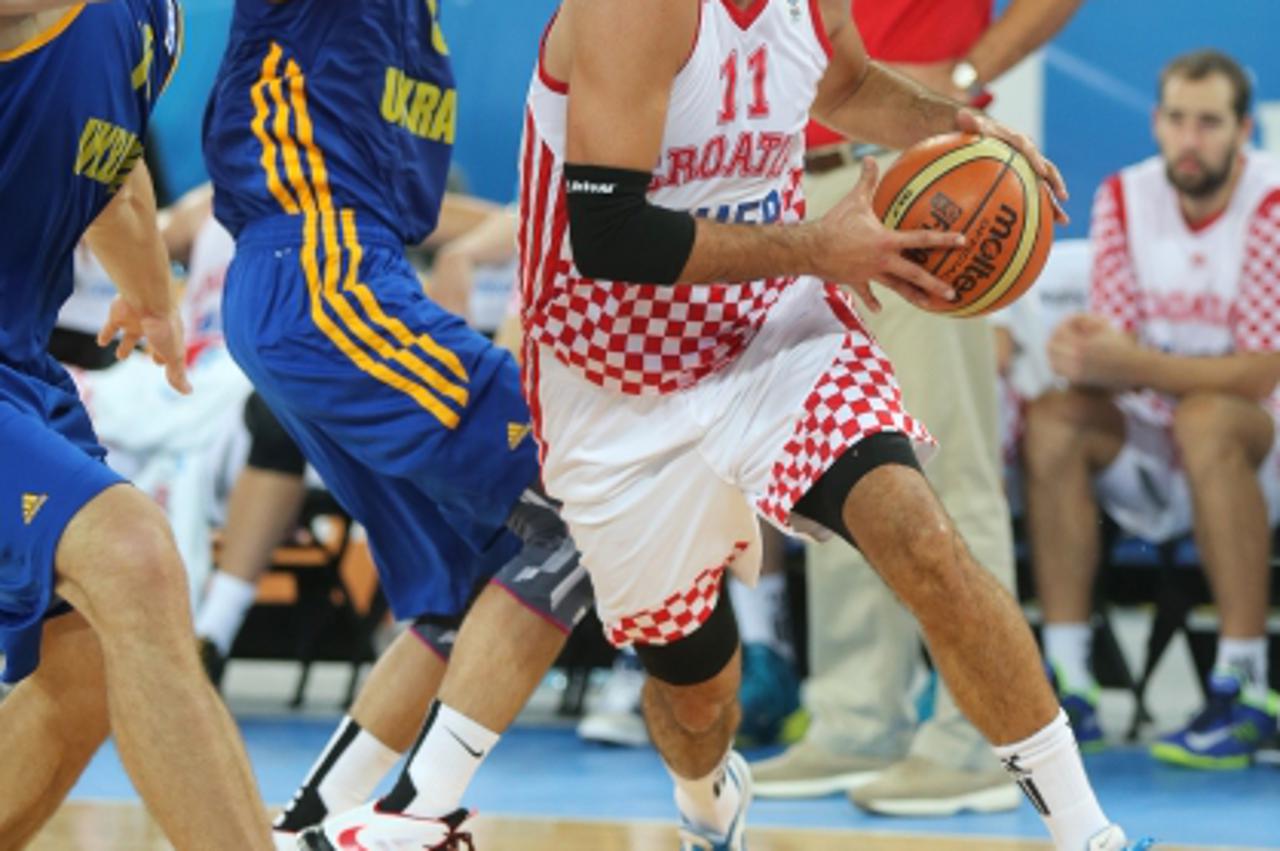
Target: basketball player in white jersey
<point>663,145</point>
<point>1171,417</point>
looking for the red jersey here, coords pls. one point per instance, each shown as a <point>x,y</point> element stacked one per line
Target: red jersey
<point>913,31</point>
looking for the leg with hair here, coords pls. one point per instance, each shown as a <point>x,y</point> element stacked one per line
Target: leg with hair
<point>1070,436</point>
<point>53,723</point>
<point>398,691</point>
<point>978,639</point>
<point>692,713</point>
<point>369,741</point>
<point>117,565</point>
<point>1222,441</point>
<point>261,511</point>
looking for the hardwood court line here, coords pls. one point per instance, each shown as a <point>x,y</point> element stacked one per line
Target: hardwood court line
<point>116,826</point>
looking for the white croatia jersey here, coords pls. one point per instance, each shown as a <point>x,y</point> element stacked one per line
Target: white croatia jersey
<point>1206,290</point>
<point>732,150</point>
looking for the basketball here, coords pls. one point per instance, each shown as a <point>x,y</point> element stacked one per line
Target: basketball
<point>983,188</point>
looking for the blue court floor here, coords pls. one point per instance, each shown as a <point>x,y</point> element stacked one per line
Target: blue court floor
<point>548,772</point>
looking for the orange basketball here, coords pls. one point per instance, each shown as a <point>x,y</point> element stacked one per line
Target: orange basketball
<point>983,188</point>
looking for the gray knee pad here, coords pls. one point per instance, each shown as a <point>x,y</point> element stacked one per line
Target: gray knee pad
<point>438,632</point>
<point>547,575</point>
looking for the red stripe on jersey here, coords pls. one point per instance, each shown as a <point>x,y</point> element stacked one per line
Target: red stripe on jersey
<point>560,87</point>
<point>553,265</point>
<point>522,234</point>
<point>531,373</point>
<point>542,189</point>
<point>820,27</point>
<point>1113,290</point>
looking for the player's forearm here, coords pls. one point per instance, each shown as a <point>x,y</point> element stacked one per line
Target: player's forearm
<point>1251,375</point>
<point>1024,27</point>
<point>126,240</point>
<point>890,109</point>
<point>728,252</point>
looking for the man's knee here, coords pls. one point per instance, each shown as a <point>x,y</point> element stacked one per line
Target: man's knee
<point>696,678</point>
<point>1061,422</point>
<point>936,571</point>
<point>1211,429</point>
<point>122,563</point>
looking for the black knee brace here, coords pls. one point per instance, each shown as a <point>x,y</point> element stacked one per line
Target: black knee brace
<point>824,502</point>
<point>700,655</point>
<point>272,448</point>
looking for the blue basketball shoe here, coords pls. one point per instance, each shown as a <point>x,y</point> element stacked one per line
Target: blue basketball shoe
<point>1227,732</point>
<point>1082,712</point>
<point>694,837</point>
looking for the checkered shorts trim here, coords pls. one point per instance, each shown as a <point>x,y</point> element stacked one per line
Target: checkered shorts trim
<point>679,615</point>
<point>855,398</point>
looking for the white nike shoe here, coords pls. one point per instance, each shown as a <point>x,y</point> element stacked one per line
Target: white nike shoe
<point>368,828</point>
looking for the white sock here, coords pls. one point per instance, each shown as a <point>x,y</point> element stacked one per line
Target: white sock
<point>450,750</point>
<point>762,613</point>
<point>345,775</point>
<point>1247,657</point>
<point>223,609</point>
<point>1068,647</point>
<point>708,801</point>
<point>1048,768</point>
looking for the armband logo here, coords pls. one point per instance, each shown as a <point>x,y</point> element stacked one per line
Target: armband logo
<point>590,187</point>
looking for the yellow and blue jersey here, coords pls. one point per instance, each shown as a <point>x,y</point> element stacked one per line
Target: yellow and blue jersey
<point>356,99</point>
<point>328,137</point>
<point>74,105</point>
<point>74,111</point>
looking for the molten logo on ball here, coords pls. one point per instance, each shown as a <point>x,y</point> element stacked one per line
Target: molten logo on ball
<point>981,187</point>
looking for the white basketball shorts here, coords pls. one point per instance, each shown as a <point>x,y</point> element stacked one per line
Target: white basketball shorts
<point>1146,491</point>
<point>661,492</point>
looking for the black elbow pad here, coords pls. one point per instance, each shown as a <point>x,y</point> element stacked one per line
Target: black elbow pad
<point>617,234</point>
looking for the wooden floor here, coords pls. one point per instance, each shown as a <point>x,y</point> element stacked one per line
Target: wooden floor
<point>82,826</point>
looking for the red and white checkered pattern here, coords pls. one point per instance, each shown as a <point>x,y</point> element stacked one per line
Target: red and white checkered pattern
<point>679,615</point>
<point>639,339</point>
<point>856,398</point>
<point>1114,285</point>
<point>1256,322</point>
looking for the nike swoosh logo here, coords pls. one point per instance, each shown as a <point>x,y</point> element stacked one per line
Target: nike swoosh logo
<point>466,747</point>
<point>349,840</point>
<point>1205,741</point>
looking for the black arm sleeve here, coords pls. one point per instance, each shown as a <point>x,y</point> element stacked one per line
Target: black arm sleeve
<point>617,234</point>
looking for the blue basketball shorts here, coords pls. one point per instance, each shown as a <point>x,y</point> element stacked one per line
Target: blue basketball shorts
<point>51,465</point>
<point>415,422</point>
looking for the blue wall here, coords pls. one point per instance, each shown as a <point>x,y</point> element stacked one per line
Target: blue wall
<point>1099,82</point>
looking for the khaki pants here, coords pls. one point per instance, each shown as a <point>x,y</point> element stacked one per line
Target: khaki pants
<point>864,646</point>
